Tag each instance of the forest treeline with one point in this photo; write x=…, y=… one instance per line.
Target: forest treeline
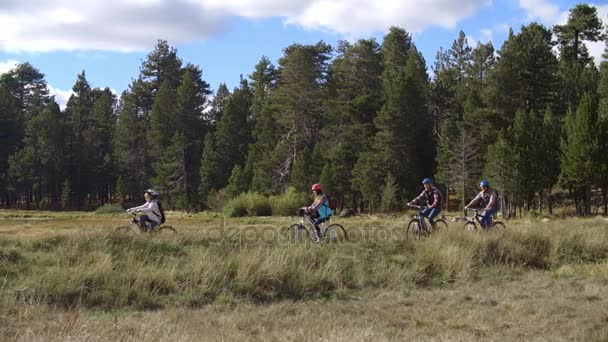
x=364, y=118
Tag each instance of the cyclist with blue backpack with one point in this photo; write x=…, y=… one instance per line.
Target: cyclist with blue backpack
x=431, y=197
x=487, y=200
x=320, y=210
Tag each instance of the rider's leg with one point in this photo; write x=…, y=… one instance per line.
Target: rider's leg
x=317, y=223
x=486, y=218
x=431, y=213
x=144, y=219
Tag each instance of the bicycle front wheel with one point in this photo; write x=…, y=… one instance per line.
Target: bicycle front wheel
x=335, y=233
x=470, y=226
x=126, y=229
x=296, y=233
x=168, y=230
x=440, y=224
x=498, y=225
x=415, y=231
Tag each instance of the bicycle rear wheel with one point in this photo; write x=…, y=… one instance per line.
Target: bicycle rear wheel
x=415, y=231
x=335, y=233
x=296, y=233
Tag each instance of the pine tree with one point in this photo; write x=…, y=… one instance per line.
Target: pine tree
x=355, y=96
x=191, y=99
x=579, y=142
x=38, y=166
x=10, y=126
x=163, y=120
x=404, y=139
x=583, y=25
x=171, y=172
x=259, y=165
x=499, y=171
x=79, y=122
x=602, y=156
x=28, y=87
x=98, y=138
x=525, y=76
x=233, y=133
x=209, y=170
x=528, y=150
x=214, y=114
x=576, y=66
x=236, y=183
x=458, y=159
x=329, y=179
x=302, y=175
x=389, y=194
x=162, y=64
x=550, y=136
x=130, y=147
x=298, y=100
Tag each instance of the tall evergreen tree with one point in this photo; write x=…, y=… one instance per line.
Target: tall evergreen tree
x=579, y=143
x=583, y=25
x=38, y=166
x=233, y=133
x=130, y=148
x=163, y=119
x=525, y=76
x=298, y=100
x=264, y=129
x=162, y=64
x=354, y=98
x=98, y=137
x=79, y=122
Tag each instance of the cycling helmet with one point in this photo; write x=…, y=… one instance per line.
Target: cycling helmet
x=427, y=181
x=151, y=192
x=484, y=183
x=317, y=187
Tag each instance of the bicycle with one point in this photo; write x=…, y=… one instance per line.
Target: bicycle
x=136, y=226
x=473, y=221
x=299, y=232
x=418, y=227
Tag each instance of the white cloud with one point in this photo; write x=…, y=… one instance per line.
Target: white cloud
x=544, y=10
x=486, y=33
x=61, y=96
x=126, y=25
x=8, y=66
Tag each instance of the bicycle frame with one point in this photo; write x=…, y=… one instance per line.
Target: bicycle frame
x=419, y=216
x=306, y=222
x=139, y=224
x=476, y=217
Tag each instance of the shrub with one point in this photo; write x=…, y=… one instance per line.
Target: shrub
x=288, y=202
x=248, y=204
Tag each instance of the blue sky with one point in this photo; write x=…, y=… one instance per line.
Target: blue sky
x=109, y=39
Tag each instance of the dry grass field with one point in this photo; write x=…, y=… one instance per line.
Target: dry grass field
x=70, y=277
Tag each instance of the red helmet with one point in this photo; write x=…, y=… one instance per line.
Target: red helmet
x=317, y=187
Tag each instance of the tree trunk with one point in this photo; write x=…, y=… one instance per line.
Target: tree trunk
x=605, y=198
x=587, y=200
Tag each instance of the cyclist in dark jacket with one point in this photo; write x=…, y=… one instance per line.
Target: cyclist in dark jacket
x=431, y=197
